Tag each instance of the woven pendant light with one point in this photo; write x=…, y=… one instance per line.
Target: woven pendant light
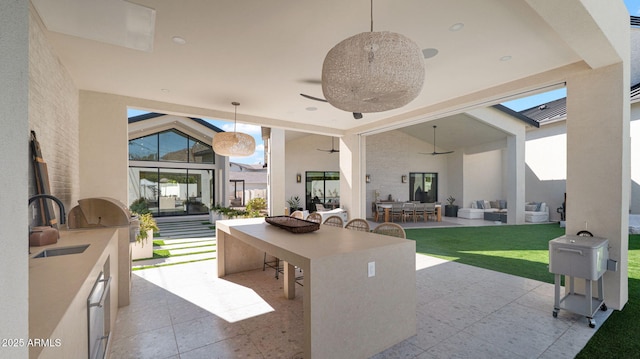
x=373, y=72
x=236, y=144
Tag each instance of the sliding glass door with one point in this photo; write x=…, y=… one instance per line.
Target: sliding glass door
x=423, y=187
x=322, y=187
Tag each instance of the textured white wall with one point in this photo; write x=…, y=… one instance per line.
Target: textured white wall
x=393, y=154
x=14, y=145
x=53, y=115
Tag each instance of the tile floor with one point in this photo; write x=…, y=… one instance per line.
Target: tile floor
x=185, y=312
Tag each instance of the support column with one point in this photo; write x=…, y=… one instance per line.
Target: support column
x=276, y=171
x=515, y=178
x=14, y=144
x=598, y=166
x=352, y=172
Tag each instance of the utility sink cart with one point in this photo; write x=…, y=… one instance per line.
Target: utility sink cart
x=579, y=257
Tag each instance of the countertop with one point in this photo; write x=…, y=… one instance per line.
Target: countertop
x=54, y=282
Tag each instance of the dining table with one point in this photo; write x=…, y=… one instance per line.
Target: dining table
x=359, y=289
x=388, y=205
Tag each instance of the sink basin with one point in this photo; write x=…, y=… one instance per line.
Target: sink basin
x=62, y=251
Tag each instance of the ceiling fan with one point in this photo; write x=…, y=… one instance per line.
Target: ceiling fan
x=332, y=150
x=434, y=146
x=356, y=115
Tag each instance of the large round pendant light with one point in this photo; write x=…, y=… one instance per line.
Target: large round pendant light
x=236, y=144
x=373, y=72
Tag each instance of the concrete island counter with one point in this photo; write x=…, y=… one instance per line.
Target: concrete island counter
x=60, y=285
x=359, y=287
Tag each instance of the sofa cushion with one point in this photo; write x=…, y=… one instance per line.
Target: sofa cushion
x=530, y=207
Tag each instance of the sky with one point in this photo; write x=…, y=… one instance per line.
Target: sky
x=633, y=6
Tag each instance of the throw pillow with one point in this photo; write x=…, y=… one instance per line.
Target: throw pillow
x=495, y=204
x=530, y=207
x=480, y=204
x=538, y=204
x=487, y=204
x=503, y=204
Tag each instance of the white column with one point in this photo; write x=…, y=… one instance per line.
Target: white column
x=14, y=144
x=276, y=171
x=352, y=172
x=598, y=166
x=515, y=174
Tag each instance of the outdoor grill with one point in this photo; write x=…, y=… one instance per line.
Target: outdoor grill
x=579, y=257
x=99, y=212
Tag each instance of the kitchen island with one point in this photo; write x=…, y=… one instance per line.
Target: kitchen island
x=359, y=288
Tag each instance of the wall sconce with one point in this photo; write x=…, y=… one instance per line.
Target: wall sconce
x=367, y=178
x=404, y=178
x=298, y=178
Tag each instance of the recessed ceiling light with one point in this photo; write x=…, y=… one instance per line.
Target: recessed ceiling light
x=311, y=108
x=456, y=27
x=505, y=58
x=429, y=53
x=165, y=90
x=179, y=40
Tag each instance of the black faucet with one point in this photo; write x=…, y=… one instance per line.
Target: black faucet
x=55, y=199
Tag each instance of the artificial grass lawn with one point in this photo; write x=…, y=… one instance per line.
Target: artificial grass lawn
x=523, y=250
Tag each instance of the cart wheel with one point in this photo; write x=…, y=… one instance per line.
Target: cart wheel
x=592, y=323
x=603, y=307
x=555, y=313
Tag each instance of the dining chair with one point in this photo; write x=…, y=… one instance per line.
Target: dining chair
x=298, y=214
x=379, y=216
x=334, y=221
x=396, y=211
x=408, y=211
x=358, y=224
x=315, y=217
x=390, y=229
x=430, y=210
x=419, y=211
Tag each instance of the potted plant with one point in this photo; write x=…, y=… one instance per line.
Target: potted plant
x=451, y=210
x=143, y=247
x=294, y=204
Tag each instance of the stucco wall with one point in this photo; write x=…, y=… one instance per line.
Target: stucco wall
x=53, y=115
x=483, y=177
x=301, y=156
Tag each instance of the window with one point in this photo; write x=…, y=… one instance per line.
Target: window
x=423, y=187
x=322, y=187
x=144, y=148
x=170, y=146
x=171, y=191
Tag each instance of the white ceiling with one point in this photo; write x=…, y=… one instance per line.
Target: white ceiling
x=265, y=53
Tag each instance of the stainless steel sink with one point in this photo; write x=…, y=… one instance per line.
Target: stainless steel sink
x=62, y=251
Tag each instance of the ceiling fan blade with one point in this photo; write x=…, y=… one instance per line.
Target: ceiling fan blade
x=313, y=98
x=442, y=153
